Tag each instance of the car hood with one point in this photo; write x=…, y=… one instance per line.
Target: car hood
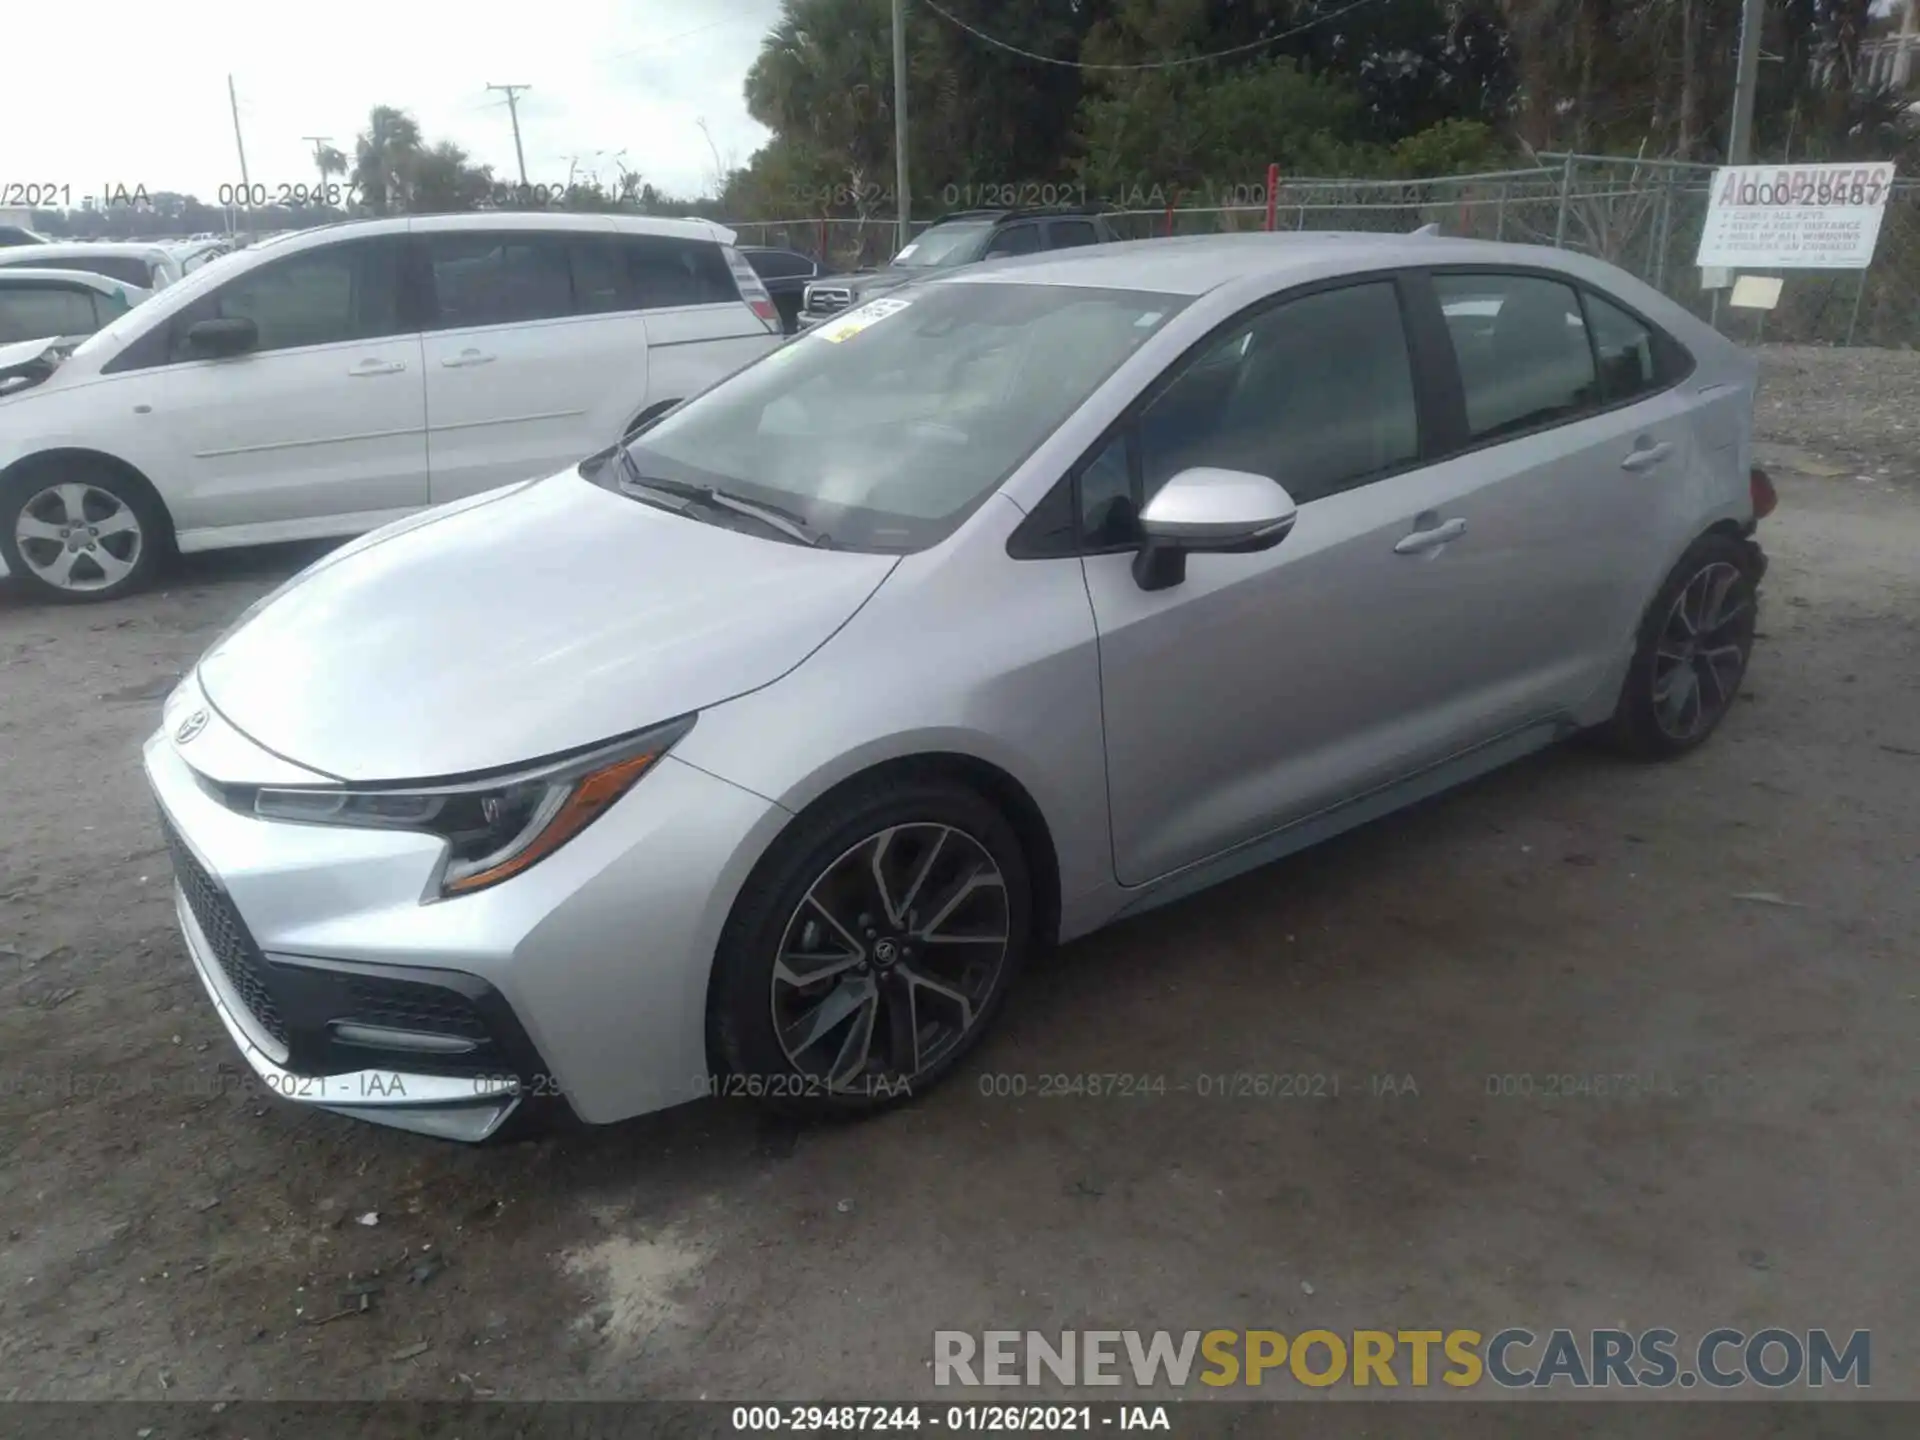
x=518, y=625
x=29, y=362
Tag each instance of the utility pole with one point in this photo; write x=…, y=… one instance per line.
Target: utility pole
x=900, y=122
x=513, y=109
x=1746, y=78
x=246, y=185
x=233, y=104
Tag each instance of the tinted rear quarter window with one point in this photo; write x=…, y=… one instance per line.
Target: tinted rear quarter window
x=665, y=271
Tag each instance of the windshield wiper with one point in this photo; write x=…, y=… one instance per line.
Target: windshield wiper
x=773, y=517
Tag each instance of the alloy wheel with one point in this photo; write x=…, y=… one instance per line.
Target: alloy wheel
x=890, y=958
x=76, y=536
x=1701, y=654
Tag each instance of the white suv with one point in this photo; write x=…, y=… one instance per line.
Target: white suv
x=333, y=380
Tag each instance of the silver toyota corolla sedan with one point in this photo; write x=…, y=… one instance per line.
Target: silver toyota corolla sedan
x=753, y=757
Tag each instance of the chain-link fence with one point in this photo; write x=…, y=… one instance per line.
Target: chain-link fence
x=1645, y=216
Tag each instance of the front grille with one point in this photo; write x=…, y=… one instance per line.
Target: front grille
x=404, y=1005
x=827, y=301
x=233, y=948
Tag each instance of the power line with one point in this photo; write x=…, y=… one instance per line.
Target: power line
x=683, y=35
x=1000, y=44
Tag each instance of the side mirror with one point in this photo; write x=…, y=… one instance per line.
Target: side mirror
x=218, y=338
x=1204, y=509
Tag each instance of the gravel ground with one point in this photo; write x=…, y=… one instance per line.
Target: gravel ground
x=171, y=1233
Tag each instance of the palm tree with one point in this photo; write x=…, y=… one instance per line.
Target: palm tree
x=385, y=158
x=329, y=162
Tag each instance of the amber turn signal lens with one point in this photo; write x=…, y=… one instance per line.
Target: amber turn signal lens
x=591, y=795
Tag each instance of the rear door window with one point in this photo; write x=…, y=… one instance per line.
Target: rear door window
x=1521, y=342
x=506, y=278
x=1066, y=234
x=1014, y=240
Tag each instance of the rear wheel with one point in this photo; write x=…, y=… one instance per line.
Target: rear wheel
x=1692, y=651
x=80, y=531
x=871, y=948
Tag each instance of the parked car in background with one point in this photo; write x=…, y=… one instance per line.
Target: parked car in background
x=962, y=238
x=38, y=304
x=150, y=266
x=334, y=380
x=192, y=254
x=19, y=235
x=754, y=756
x=785, y=273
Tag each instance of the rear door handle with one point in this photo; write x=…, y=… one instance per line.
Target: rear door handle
x=1645, y=457
x=378, y=367
x=466, y=358
x=1421, y=541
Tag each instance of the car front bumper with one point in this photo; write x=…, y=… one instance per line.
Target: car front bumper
x=579, y=983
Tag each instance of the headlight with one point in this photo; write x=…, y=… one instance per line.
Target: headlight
x=495, y=827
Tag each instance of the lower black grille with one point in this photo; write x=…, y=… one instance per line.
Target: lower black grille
x=233, y=948
x=403, y=1005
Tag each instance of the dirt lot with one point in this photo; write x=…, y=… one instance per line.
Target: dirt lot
x=167, y=1233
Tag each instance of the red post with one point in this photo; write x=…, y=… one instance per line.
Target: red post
x=1273, y=192
x=1172, y=200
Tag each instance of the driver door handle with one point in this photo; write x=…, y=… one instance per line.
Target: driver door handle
x=1421, y=541
x=1645, y=457
x=378, y=367
x=465, y=358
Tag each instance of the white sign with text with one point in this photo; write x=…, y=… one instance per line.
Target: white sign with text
x=1795, y=217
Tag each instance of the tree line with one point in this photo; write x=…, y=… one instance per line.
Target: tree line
x=1174, y=101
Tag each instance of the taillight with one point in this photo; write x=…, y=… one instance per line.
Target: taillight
x=751, y=290
x=1765, y=498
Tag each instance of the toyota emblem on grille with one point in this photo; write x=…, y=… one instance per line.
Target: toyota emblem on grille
x=190, y=727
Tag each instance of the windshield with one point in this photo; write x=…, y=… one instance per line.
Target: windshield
x=886, y=426
x=956, y=243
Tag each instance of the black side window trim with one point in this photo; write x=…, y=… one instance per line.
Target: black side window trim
x=1039, y=538
x=1672, y=361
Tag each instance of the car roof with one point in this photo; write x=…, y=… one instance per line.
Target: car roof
x=1022, y=212
x=57, y=248
x=15, y=274
x=588, y=222
x=1195, y=264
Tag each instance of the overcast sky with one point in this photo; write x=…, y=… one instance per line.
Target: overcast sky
x=138, y=95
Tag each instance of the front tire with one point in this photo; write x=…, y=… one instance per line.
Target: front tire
x=79, y=531
x=1691, y=652
x=871, y=948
